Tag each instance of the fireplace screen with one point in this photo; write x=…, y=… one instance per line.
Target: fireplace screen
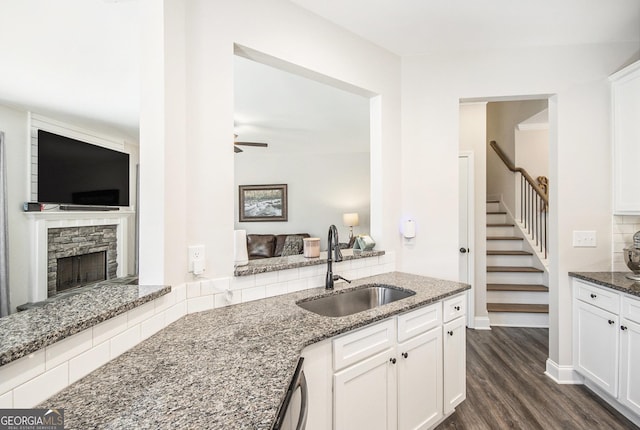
x=81, y=270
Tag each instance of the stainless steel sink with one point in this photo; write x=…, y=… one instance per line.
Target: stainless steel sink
x=353, y=301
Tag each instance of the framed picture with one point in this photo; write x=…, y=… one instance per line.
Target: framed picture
x=263, y=202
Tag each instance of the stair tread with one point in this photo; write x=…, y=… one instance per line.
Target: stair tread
x=518, y=269
x=496, y=213
x=517, y=287
x=518, y=307
x=493, y=201
x=503, y=238
x=498, y=252
x=501, y=225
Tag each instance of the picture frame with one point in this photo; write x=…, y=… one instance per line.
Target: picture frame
x=260, y=203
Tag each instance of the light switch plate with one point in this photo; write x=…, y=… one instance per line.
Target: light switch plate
x=584, y=239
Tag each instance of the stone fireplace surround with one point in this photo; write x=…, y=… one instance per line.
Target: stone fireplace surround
x=76, y=241
x=42, y=222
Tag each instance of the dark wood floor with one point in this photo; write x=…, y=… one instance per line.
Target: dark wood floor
x=507, y=388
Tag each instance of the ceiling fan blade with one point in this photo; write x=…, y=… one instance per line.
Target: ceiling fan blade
x=262, y=145
x=236, y=149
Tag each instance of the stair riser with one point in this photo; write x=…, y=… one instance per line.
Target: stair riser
x=516, y=319
x=493, y=207
x=504, y=245
x=496, y=219
x=527, y=297
x=500, y=231
x=509, y=260
x=514, y=278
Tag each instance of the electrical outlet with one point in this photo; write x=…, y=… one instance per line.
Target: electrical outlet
x=584, y=239
x=196, y=259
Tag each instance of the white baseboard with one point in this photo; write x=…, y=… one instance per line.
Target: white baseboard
x=562, y=374
x=482, y=323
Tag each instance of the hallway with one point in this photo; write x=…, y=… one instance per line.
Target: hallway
x=507, y=388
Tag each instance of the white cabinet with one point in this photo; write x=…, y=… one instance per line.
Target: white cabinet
x=365, y=394
x=596, y=354
x=630, y=354
x=455, y=364
x=606, y=344
x=625, y=90
x=393, y=374
x=420, y=381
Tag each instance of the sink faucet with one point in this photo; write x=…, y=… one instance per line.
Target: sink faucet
x=333, y=243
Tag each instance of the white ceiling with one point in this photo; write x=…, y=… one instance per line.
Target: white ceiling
x=296, y=114
x=79, y=58
x=411, y=27
x=72, y=59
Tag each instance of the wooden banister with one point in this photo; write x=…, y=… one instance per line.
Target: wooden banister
x=534, y=201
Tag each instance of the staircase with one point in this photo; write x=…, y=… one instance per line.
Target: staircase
x=517, y=283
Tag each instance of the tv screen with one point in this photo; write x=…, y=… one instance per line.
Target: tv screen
x=75, y=172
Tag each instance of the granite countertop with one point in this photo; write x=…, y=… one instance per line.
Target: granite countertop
x=227, y=368
x=614, y=280
x=25, y=332
x=263, y=265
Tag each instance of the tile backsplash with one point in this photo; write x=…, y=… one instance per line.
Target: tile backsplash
x=623, y=229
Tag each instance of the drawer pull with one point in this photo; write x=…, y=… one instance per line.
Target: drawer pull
x=456, y=308
x=392, y=360
x=623, y=327
x=405, y=355
x=450, y=333
x=611, y=321
x=593, y=296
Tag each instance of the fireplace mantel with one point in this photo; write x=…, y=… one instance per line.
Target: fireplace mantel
x=40, y=222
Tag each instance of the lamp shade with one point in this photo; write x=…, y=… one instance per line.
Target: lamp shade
x=350, y=219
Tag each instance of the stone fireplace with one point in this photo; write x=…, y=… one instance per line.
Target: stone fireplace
x=78, y=256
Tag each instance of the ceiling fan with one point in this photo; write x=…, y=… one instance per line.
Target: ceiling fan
x=236, y=144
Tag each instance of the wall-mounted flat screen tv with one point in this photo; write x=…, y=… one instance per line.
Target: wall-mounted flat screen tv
x=79, y=173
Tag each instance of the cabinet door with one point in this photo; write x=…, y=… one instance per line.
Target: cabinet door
x=629, y=369
x=455, y=364
x=597, y=343
x=365, y=394
x=420, y=381
x=626, y=135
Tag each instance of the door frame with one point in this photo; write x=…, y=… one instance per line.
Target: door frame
x=471, y=310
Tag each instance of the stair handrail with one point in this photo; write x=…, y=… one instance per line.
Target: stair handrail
x=520, y=170
x=533, y=209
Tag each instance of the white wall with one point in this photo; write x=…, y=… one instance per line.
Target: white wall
x=320, y=187
x=532, y=151
x=502, y=119
x=201, y=209
x=473, y=137
x=579, y=148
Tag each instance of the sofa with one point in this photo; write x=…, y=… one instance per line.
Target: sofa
x=274, y=245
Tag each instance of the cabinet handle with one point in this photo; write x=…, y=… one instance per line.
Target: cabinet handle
x=392, y=360
x=405, y=355
x=611, y=321
x=456, y=308
x=623, y=327
x=593, y=296
x=450, y=333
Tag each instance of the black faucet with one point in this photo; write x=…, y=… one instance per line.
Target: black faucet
x=333, y=243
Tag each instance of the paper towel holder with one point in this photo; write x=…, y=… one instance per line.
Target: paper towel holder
x=409, y=230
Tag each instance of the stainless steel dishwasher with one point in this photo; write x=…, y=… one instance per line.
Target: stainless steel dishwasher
x=295, y=403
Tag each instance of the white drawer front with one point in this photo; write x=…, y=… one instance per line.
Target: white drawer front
x=608, y=300
x=363, y=343
x=419, y=321
x=631, y=309
x=454, y=307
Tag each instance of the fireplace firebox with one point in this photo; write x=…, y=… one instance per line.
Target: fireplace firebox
x=81, y=270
